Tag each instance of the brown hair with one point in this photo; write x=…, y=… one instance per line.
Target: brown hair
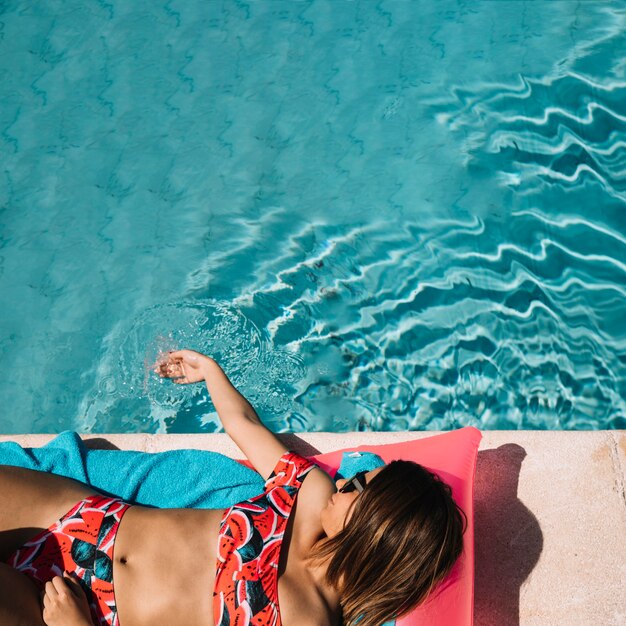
x=403, y=537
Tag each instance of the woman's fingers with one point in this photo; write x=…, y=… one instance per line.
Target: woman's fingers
x=169, y=369
x=177, y=374
x=73, y=584
x=188, y=357
x=182, y=366
x=59, y=584
x=50, y=590
x=174, y=370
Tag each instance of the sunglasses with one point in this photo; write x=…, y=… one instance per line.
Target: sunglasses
x=357, y=482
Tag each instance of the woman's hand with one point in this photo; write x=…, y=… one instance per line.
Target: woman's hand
x=65, y=603
x=183, y=366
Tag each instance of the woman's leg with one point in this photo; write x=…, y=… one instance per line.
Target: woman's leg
x=19, y=599
x=31, y=501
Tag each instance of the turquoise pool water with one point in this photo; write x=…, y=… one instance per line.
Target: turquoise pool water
x=377, y=215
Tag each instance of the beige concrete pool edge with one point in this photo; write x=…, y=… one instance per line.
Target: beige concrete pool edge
x=550, y=517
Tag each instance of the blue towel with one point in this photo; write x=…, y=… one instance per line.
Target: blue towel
x=173, y=479
x=354, y=462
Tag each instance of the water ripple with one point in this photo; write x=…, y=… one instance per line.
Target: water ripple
x=422, y=333
x=565, y=130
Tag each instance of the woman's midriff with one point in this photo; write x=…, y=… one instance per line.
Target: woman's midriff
x=164, y=566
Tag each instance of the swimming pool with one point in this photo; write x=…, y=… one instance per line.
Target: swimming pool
x=376, y=215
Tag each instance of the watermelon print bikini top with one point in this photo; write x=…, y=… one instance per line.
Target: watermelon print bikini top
x=251, y=535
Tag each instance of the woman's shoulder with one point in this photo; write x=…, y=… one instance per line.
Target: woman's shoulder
x=313, y=497
x=316, y=490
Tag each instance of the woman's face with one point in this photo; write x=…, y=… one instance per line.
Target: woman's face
x=339, y=508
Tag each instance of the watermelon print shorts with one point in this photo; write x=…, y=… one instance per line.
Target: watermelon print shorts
x=80, y=542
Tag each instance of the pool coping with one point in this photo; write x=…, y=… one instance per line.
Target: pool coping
x=550, y=516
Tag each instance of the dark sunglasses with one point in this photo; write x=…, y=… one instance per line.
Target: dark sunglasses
x=356, y=482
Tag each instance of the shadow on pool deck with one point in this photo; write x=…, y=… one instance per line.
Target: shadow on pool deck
x=508, y=538
x=99, y=443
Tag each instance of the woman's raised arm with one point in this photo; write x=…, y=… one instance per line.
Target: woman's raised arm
x=240, y=421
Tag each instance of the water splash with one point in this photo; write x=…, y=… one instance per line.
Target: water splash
x=126, y=378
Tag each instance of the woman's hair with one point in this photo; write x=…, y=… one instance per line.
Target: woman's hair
x=403, y=537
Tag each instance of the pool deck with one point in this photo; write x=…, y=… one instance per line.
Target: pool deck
x=550, y=517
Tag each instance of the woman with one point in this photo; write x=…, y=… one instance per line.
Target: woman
x=305, y=552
